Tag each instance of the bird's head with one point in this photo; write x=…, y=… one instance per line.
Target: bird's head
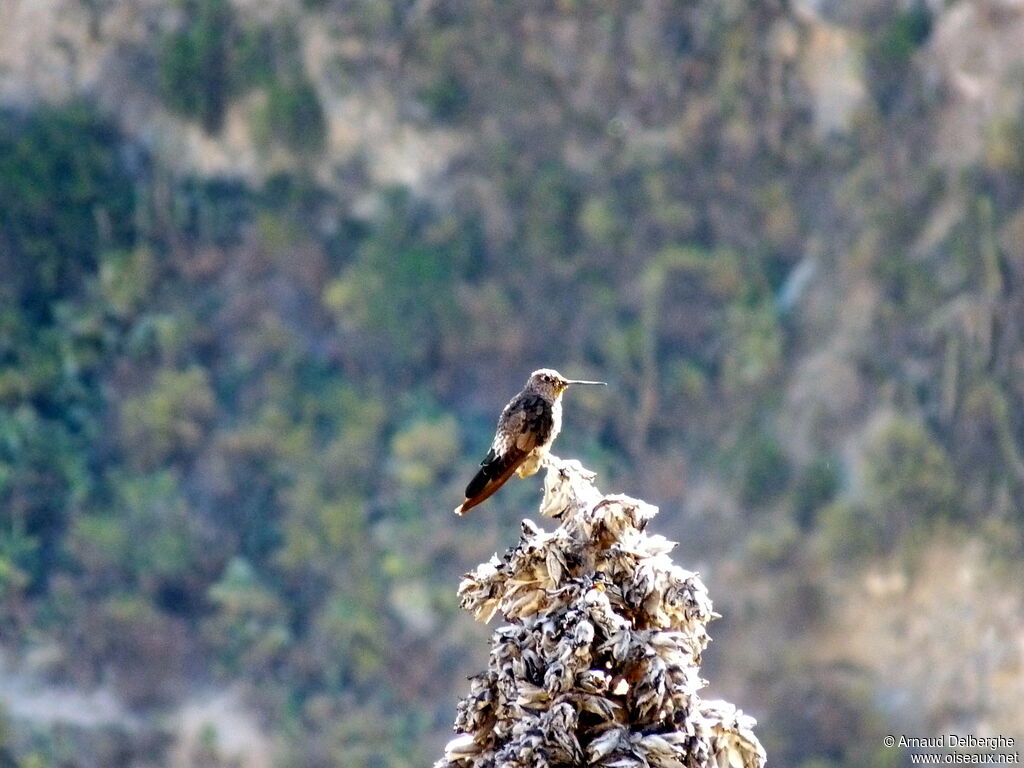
x=549, y=383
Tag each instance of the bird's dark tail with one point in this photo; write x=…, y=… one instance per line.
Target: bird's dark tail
x=494, y=471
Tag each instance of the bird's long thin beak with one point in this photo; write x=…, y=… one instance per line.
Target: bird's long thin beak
x=577, y=381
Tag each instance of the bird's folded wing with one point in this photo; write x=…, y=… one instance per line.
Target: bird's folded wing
x=524, y=424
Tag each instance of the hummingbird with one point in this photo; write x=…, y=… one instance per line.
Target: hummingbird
x=527, y=427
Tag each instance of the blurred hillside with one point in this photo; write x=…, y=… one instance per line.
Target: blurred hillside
x=270, y=271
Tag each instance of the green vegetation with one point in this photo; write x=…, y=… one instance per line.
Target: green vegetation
x=235, y=416
x=765, y=470
x=294, y=116
x=215, y=56
x=890, y=51
x=195, y=64
x=66, y=199
x=817, y=484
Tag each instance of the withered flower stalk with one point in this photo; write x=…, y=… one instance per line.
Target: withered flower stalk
x=598, y=663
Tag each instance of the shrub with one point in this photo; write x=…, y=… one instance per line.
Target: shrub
x=890, y=51
x=909, y=478
x=766, y=470
x=64, y=197
x=194, y=62
x=294, y=116
x=816, y=486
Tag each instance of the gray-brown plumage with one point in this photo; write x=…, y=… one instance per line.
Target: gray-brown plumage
x=527, y=427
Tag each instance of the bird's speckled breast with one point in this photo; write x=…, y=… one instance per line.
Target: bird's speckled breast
x=545, y=421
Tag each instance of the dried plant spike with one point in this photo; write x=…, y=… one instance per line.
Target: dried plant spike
x=599, y=661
